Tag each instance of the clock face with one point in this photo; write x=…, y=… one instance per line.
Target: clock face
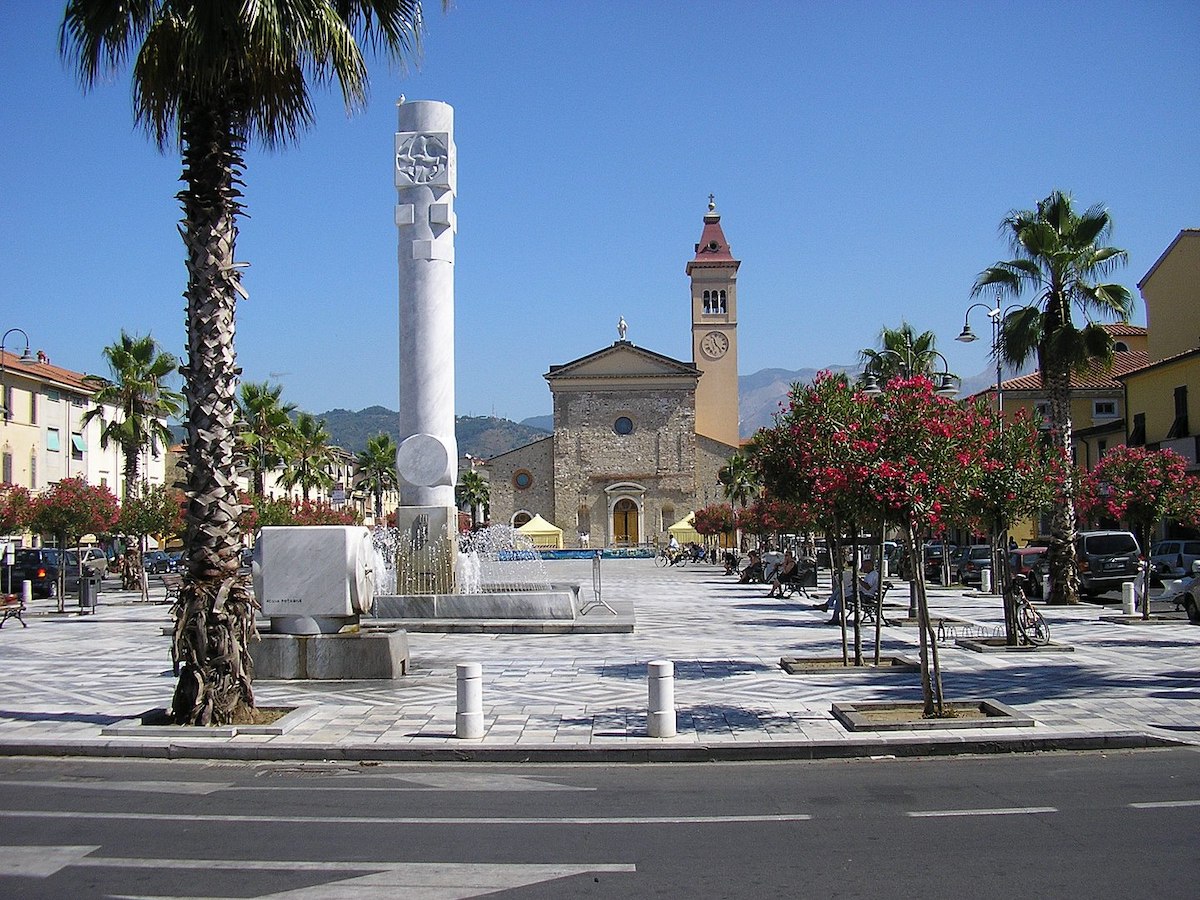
x=714, y=345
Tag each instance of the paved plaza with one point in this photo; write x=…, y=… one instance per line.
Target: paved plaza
x=68, y=678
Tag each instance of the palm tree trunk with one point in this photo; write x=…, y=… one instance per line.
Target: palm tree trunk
x=1064, y=577
x=214, y=616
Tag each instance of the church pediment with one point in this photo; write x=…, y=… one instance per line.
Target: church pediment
x=623, y=360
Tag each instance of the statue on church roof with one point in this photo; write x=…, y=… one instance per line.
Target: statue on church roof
x=622, y=327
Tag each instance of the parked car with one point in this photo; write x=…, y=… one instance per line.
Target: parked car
x=1106, y=560
x=935, y=554
x=94, y=560
x=40, y=566
x=156, y=562
x=972, y=562
x=1028, y=562
x=1173, y=559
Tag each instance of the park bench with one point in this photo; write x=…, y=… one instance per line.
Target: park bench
x=869, y=605
x=172, y=583
x=11, y=607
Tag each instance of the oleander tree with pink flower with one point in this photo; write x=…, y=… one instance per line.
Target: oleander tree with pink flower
x=1018, y=475
x=1141, y=488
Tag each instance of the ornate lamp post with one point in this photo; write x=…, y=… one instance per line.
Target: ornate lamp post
x=946, y=382
x=967, y=336
x=26, y=357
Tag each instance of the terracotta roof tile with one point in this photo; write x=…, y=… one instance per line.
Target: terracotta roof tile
x=1096, y=377
x=48, y=372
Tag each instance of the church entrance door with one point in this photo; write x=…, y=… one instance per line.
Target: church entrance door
x=625, y=523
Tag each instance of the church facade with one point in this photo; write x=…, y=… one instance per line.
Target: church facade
x=638, y=436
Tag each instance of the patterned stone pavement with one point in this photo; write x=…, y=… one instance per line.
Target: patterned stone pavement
x=67, y=677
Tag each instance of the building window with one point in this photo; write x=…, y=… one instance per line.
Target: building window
x=1120, y=347
x=1104, y=409
x=522, y=479
x=33, y=470
x=1042, y=411
x=77, y=445
x=721, y=304
x=6, y=468
x=708, y=303
x=6, y=400
x=52, y=442
x=1179, y=428
x=53, y=396
x=623, y=425
x=1101, y=449
x=1137, y=437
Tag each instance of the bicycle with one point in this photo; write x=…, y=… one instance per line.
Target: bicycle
x=1031, y=624
x=665, y=557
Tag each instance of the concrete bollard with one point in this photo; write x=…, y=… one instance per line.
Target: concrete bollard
x=1127, y=599
x=468, y=723
x=660, y=721
x=985, y=581
x=1045, y=587
x=26, y=591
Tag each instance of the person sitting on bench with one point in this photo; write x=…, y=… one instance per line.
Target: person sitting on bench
x=868, y=589
x=786, y=571
x=753, y=573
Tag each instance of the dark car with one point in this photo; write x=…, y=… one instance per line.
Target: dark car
x=156, y=562
x=1106, y=560
x=1028, y=563
x=972, y=563
x=40, y=565
x=937, y=555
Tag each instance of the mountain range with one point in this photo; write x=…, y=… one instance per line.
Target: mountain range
x=760, y=396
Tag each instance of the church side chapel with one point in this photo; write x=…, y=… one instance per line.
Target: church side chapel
x=638, y=436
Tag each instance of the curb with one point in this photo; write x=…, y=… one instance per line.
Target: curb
x=636, y=753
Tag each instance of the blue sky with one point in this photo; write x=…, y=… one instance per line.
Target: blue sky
x=862, y=155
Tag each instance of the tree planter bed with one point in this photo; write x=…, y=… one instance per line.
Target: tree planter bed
x=907, y=716
x=821, y=665
x=999, y=645
x=271, y=721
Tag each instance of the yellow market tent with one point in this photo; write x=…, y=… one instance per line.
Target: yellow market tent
x=543, y=533
x=685, y=530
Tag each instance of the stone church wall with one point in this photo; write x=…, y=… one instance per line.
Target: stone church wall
x=654, y=464
x=507, y=474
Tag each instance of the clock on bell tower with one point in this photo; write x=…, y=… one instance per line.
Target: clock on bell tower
x=713, y=272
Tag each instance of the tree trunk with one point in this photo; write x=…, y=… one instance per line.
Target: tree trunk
x=214, y=616
x=1064, y=576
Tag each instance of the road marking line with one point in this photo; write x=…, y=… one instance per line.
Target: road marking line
x=1004, y=811
x=1165, y=804
x=146, y=787
x=402, y=820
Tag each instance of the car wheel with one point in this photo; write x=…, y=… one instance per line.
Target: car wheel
x=1193, y=610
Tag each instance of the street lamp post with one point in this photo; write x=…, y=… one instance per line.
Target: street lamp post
x=967, y=336
x=1000, y=550
x=26, y=357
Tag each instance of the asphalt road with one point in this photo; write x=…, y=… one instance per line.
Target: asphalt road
x=1043, y=825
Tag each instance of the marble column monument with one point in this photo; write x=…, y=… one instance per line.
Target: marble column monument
x=427, y=459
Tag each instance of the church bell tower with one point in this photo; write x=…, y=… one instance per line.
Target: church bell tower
x=713, y=272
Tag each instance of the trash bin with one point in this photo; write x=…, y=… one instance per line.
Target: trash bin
x=89, y=591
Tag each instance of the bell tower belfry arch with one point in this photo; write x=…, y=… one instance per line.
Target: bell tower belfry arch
x=713, y=273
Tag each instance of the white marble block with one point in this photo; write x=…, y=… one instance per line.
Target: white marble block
x=313, y=579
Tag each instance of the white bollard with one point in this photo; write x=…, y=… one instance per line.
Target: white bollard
x=1127, y=598
x=985, y=581
x=26, y=591
x=468, y=723
x=1045, y=587
x=660, y=721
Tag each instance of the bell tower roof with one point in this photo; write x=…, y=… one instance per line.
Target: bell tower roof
x=713, y=249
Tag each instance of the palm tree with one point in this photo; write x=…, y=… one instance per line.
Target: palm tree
x=309, y=456
x=142, y=401
x=265, y=430
x=1058, y=256
x=216, y=75
x=377, y=469
x=141, y=397
x=901, y=352
x=473, y=492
